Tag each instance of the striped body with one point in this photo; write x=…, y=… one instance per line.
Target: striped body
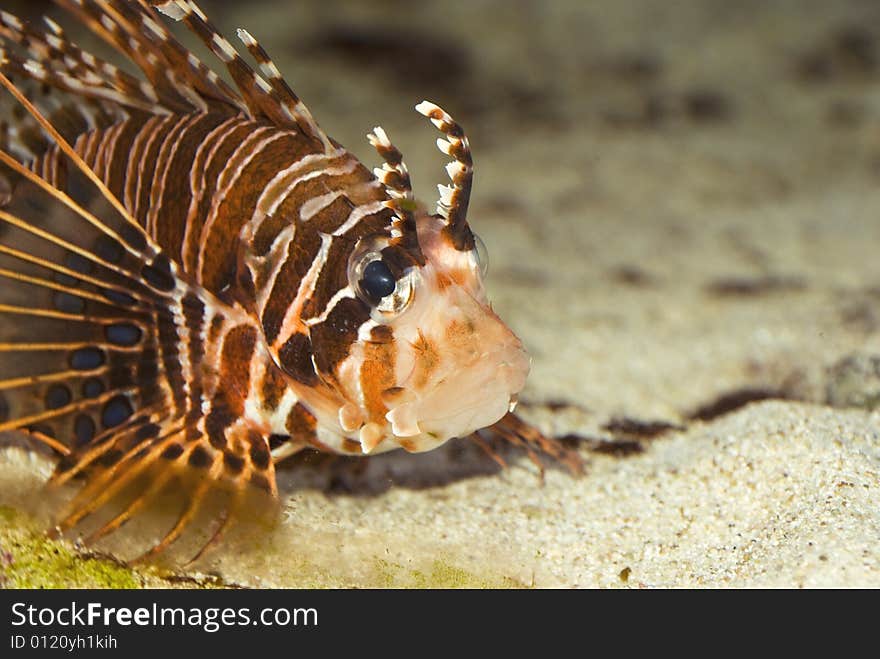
x=229, y=285
x=242, y=206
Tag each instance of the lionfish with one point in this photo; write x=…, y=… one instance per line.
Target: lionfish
x=199, y=281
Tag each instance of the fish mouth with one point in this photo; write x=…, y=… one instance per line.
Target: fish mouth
x=458, y=405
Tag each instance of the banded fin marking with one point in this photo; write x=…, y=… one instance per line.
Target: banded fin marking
x=273, y=99
x=98, y=374
x=176, y=80
x=516, y=432
x=291, y=103
x=55, y=61
x=119, y=24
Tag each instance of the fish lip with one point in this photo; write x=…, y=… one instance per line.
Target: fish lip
x=400, y=426
x=415, y=418
x=453, y=402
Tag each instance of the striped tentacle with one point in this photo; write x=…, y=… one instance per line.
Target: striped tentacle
x=454, y=199
x=394, y=175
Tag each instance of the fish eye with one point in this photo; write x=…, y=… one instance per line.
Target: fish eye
x=374, y=282
x=481, y=255
x=377, y=281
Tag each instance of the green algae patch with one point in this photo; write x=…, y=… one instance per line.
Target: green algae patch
x=383, y=573
x=440, y=573
x=446, y=575
x=29, y=559
x=306, y=574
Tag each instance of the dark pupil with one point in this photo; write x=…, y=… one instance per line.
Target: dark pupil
x=377, y=281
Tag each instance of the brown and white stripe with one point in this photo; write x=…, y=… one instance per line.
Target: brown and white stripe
x=199, y=319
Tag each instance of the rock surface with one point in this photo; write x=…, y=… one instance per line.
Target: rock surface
x=681, y=206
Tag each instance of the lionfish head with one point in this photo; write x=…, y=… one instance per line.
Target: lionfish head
x=434, y=361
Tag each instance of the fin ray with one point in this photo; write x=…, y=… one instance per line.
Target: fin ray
x=96, y=324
